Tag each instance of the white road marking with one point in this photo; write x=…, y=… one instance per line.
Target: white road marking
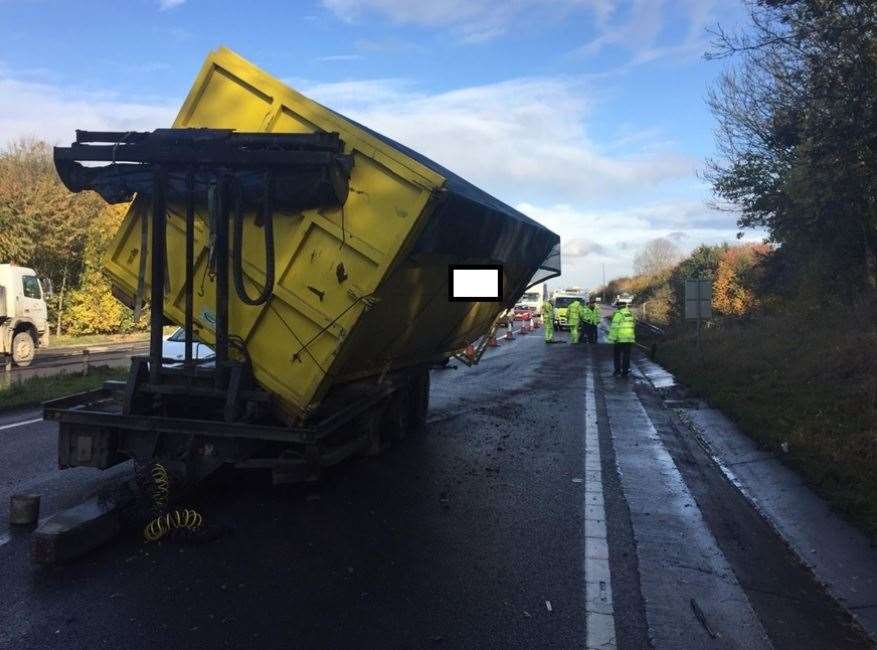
x=679, y=558
x=599, y=613
x=20, y=424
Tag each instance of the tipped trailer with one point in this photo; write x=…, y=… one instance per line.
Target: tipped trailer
x=310, y=253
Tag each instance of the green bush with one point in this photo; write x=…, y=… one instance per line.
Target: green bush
x=805, y=377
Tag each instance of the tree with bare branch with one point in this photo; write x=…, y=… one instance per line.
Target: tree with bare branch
x=658, y=256
x=797, y=134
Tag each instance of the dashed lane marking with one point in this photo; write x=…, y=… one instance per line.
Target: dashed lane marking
x=599, y=612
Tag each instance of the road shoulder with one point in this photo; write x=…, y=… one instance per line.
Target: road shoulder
x=783, y=542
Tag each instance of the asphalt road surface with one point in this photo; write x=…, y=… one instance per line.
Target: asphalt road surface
x=546, y=505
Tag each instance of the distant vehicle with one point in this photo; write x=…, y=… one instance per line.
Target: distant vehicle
x=174, y=347
x=598, y=298
x=523, y=312
x=624, y=299
x=23, y=314
x=562, y=300
x=533, y=298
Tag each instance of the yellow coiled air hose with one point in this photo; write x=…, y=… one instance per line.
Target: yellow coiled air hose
x=162, y=525
x=165, y=522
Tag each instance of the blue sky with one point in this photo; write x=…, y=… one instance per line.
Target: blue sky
x=588, y=115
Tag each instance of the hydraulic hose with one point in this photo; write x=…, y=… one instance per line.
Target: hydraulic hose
x=237, y=245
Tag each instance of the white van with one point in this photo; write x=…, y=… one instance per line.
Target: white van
x=532, y=298
x=23, y=314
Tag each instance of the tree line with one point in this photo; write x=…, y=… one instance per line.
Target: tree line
x=797, y=140
x=63, y=236
x=796, y=137
x=737, y=272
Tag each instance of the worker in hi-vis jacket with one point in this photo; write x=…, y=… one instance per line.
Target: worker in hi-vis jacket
x=591, y=318
x=573, y=318
x=622, y=333
x=548, y=321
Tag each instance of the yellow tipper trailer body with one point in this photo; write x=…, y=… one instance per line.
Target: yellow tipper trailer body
x=360, y=289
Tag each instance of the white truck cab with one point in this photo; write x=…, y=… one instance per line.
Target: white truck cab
x=532, y=298
x=23, y=314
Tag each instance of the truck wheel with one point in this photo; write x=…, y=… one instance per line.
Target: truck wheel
x=22, y=349
x=418, y=401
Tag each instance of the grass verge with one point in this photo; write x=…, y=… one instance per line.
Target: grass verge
x=810, y=383
x=35, y=390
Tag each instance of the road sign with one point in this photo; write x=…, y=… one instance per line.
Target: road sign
x=698, y=299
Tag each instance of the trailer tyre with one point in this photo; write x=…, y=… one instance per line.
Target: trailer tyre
x=418, y=402
x=22, y=349
x=396, y=420
x=369, y=425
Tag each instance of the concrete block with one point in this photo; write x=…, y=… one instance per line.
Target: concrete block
x=76, y=531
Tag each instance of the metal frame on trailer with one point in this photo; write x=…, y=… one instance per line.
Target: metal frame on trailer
x=152, y=414
x=94, y=433
x=212, y=164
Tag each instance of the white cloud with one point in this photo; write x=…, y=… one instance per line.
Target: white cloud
x=471, y=20
x=641, y=28
x=50, y=113
x=165, y=5
x=647, y=29
x=524, y=138
x=594, y=238
x=580, y=247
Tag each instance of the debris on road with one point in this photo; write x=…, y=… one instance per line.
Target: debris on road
x=80, y=529
x=24, y=509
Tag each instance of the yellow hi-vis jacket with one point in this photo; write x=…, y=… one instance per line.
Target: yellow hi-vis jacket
x=547, y=311
x=573, y=313
x=622, y=329
x=591, y=316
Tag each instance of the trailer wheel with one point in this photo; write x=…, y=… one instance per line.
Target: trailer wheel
x=418, y=401
x=396, y=421
x=369, y=426
x=22, y=349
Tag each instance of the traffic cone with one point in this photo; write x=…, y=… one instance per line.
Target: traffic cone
x=509, y=335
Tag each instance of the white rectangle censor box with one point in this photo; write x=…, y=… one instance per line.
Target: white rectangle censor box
x=475, y=283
